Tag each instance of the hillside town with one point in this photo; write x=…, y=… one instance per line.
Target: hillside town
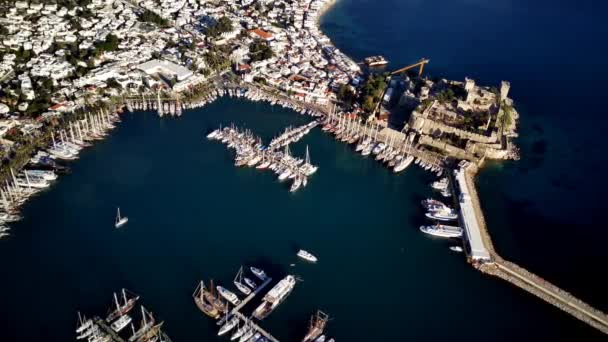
x=67, y=67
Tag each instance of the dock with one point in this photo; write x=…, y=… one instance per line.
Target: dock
x=256, y=327
x=106, y=329
x=244, y=302
x=386, y=135
x=482, y=255
x=236, y=311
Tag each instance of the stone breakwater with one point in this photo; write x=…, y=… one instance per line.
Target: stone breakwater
x=525, y=279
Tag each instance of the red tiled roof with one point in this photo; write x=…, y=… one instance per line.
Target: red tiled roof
x=57, y=106
x=263, y=34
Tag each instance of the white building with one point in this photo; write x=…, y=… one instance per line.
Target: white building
x=166, y=69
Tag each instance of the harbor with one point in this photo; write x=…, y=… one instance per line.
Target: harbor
x=114, y=327
x=211, y=224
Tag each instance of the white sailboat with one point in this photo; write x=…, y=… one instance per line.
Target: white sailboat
x=120, y=221
x=238, y=282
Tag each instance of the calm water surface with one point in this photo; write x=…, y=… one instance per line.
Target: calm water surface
x=193, y=215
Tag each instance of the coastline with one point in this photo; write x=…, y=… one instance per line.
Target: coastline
x=322, y=11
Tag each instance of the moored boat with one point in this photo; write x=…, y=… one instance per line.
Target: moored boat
x=307, y=256
x=275, y=296
x=442, y=231
x=228, y=295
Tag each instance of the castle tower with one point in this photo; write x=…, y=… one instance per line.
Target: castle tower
x=504, y=90
x=469, y=87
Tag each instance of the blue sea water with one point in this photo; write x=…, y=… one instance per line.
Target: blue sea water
x=544, y=211
x=193, y=215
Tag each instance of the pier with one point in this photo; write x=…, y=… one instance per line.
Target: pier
x=106, y=329
x=244, y=302
x=481, y=252
x=399, y=140
x=256, y=327
x=236, y=311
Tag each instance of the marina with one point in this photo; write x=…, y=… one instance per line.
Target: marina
x=111, y=328
x=165, y=233
x=251, y=152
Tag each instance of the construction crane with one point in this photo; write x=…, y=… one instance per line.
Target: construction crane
x=420, y=66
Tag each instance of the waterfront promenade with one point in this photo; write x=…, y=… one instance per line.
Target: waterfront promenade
x=518, y=276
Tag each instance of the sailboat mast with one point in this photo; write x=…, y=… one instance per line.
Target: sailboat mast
x=116, y=301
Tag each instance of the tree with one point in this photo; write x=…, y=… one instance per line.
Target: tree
x=113, y=83
x=369, y=104
x=259, y=50
x=151, y=17
x=346, y=94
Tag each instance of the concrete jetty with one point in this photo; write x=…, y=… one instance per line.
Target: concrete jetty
x=483, y=256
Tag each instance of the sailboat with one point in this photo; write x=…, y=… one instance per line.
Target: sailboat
x=122, y=309
x=238, y=282
x=203, y=304
x=309, y=169
x=120, y=221
x=146, y=325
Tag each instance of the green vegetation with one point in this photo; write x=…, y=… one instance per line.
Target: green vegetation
x=109, y=44
x=151, y=17
x=3, y=31
x=372, y=91
x=507, y=117
x=259, y=50
x=346, y=94
x=112, y=83
x=223, y=25
x=446, y=95
x=216, y=59
x=260, y=80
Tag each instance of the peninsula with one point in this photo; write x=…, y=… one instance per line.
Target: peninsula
x=68, y=68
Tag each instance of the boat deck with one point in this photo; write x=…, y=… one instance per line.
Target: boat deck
x=236, y=311
x=256, y=327
x=106, y=329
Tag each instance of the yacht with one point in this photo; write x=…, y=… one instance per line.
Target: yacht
x=228, y=295
x=441, y=184
x=254, y=161
x=213, y=134
x=238, y=282
x=403, y=164
x=275, y=296
x=247, y=335
x=379, y=148
x=120, y=221
x=121, y=323
x=442, y=231
x=46, y=175
x=431, y=204
x=228, y=326
x=250, y=283
x=124, y=308
x=285, y=174
x=442, y=215
x=307, y=256
x=258, y=273
x=239, y=332
x=297, y=182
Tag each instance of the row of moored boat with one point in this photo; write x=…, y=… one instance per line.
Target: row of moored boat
x=252, y=153
x=42, y=169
